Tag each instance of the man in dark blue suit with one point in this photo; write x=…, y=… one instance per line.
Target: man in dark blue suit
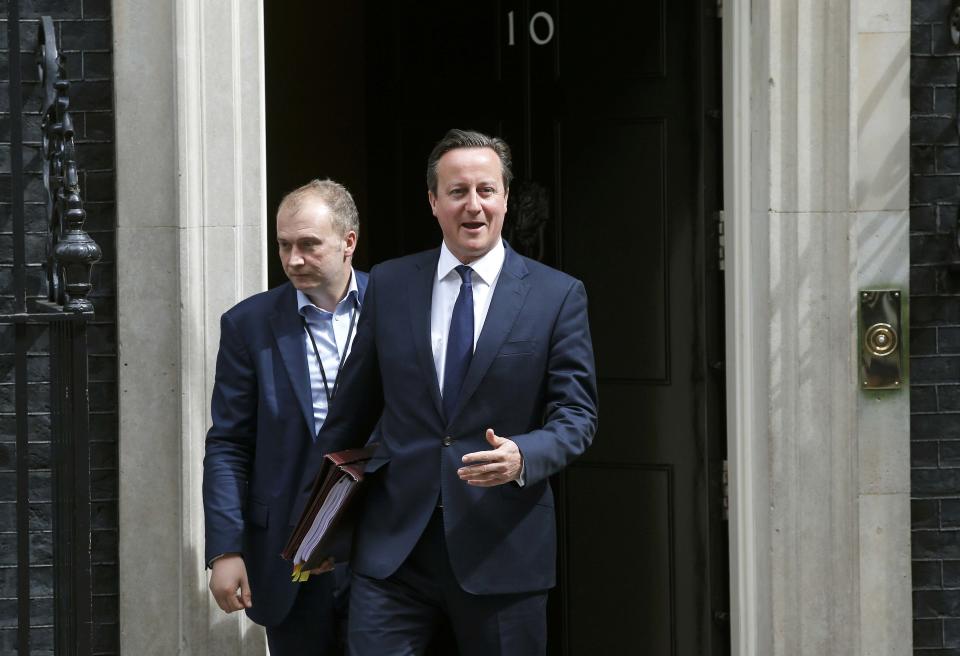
x=474, y=371
x=279, y=365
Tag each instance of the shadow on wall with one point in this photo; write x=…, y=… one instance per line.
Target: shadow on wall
x=884, y=178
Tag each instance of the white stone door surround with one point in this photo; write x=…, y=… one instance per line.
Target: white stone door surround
x=816, y=174
x=816, y=114
x=191, y=232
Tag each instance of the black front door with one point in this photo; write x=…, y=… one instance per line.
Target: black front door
x=610, y=110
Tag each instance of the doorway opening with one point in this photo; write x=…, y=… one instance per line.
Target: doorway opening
x=613, y=115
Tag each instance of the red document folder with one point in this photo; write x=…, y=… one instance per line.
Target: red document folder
x=325, y=528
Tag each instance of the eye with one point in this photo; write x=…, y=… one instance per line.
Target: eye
x=457, y=192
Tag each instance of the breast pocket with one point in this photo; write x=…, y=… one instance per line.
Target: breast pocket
x=517, y=347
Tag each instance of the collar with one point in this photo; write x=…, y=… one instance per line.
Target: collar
x=304, y=302
x=487, y=267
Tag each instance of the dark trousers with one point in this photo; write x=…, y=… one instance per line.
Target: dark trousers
x=312, y=628
x=400, y=615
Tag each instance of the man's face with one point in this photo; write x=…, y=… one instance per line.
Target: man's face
x=470, y=202
x=312, y=253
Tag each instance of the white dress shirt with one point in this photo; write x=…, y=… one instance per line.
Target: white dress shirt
x=446, y=289
x=331, y=330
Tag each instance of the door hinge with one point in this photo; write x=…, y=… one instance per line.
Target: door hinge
x=725, y=491
x=721, y=249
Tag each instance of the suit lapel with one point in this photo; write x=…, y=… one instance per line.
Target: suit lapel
x=420, y=301
x=288, y=331
x=508, y=298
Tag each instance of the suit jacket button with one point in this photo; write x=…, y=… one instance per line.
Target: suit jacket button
x=447, y=441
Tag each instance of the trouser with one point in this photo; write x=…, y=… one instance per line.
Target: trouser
x=399, y=615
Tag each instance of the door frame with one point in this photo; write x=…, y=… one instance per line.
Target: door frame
x=746, y=349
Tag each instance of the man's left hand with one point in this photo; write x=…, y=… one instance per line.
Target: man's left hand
x=325, y=566
x=500, y=465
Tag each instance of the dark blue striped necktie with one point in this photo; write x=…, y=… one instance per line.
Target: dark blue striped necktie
x=459, y=342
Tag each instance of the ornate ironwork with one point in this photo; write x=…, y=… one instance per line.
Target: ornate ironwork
x=71, y=252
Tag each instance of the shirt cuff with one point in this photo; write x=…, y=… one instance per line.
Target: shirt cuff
x=522, y=478
x=219, y=556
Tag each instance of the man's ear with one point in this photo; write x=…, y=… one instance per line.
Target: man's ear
x=433, y=202
x=349, y=243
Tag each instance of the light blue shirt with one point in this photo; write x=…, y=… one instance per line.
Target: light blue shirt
x=331, y=330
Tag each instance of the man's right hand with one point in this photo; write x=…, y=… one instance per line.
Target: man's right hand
x=229, y=584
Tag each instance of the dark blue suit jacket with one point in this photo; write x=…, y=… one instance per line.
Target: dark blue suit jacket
x=531, y=379
x=262, y=431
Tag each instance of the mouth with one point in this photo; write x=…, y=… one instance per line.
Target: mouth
x=473, y=226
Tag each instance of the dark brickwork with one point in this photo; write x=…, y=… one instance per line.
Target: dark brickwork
x=85, y=37
x=935, y=330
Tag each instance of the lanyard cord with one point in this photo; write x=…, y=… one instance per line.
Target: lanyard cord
x=316, y=352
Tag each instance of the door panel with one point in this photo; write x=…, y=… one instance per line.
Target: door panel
x=625, y=596
x=611, y=215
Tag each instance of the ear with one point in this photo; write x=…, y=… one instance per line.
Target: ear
x=433, y=202
x=506, y=195
x=349, y=244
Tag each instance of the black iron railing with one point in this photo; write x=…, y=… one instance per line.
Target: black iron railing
x=64, y=313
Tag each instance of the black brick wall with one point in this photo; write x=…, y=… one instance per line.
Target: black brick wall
x=85, y=36
x=935, y=330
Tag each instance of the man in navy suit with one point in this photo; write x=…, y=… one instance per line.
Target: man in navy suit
x=278, y=367
x=473, y=369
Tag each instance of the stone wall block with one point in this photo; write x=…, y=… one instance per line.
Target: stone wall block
x=885, y=573
x=883, y=113
x=809, y=86
x=814, y=499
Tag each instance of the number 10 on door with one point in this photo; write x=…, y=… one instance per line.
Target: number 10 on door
x=540, y=28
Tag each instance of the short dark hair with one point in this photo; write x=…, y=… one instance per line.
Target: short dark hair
x=469, y=139
x=343, y=211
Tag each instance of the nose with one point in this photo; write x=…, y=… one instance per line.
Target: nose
x=473, y=201
x=295, y=258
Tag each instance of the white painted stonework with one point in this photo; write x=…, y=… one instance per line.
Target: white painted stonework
x=816, y=194
x=190, y=239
